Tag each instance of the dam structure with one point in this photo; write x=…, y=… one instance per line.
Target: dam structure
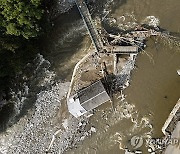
x=89, y=87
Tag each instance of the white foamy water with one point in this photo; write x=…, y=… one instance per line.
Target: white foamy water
x=151, y=21
x=76, y=29
x=40, y=77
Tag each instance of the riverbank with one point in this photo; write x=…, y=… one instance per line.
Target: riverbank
x=36, y=125
x=17, y=52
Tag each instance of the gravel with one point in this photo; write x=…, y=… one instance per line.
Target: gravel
x=33, y=132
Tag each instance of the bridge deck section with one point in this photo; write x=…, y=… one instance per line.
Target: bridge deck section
x=84, y=11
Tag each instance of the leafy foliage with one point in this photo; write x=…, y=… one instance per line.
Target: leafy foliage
x=20, y=28
x=20, y=17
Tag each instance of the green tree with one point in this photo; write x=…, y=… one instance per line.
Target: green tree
x=20, y=17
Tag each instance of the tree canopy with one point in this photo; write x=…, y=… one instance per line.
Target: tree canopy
x=20, y=26
x=20, y=17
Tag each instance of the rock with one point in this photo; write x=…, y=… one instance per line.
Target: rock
x=93, y=129
x=80, y=124
x=65, y=124
x=178, y=72
x=138, y=151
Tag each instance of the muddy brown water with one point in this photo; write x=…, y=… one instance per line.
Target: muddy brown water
x=154, y=87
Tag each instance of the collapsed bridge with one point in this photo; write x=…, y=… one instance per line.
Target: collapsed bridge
x=86, y=16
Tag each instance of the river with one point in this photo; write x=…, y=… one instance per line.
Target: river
x=154, y=86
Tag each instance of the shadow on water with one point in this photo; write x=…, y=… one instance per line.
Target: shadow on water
x=12, y=112
x=60, y=27
x=175, y=34
x=5, y=114
x=65, y=39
